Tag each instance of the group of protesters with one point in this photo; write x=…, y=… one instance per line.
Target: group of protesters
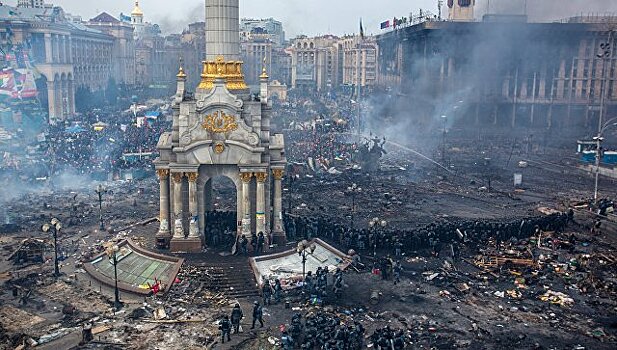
x=434, y=236
x=86, y=146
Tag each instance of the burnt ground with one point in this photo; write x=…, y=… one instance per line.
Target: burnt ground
x=422, y=193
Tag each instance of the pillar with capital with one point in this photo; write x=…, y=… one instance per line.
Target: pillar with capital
x=193, y=226
x=164, y=232
x=246, y=202
x=260, y=203
x=51, y=101
x=278, y=231
x=178, y=226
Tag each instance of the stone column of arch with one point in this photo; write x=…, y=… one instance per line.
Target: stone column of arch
x=178, y=226
x=278, y=200
x=193, y=228
x=260, y=203
x=164, y=202
x=246, y=202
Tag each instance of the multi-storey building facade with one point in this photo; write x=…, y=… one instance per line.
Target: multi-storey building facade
x=256, y=53
x=330, y=61
x=505, y=71
x=123, y=51
x=67, y=54
x=359, y=56
x=269, y=26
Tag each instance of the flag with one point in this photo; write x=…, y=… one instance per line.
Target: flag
x=124, y=18
x=361, y=29
x=385, y=24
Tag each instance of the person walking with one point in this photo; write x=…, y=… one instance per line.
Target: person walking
x=236, y=316
x=225, y=328
x=257, y=314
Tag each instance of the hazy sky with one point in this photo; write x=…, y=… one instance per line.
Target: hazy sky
x=314, y=17
x=298, y=16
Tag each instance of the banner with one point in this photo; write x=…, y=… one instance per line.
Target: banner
x=385, y=24
x=7, y=82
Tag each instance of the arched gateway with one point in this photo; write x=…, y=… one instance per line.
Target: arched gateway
x=222, y=130
x=218, y=134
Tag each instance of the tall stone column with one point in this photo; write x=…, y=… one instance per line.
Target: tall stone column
x=164, y=203
x=178, y=226
x=278, y=203
x=260, y=206
x=49, y=57
x=52, y=108
x=62, y=50
x=71, y=88
x=193, y=226
x=246, y=203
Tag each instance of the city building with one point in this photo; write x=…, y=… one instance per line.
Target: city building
x=359, y=60
x=256, y=53
x=59, y=53
x=461, y=10
x=331, y=62
x=505, y=71
x=123, y=51
x=137, y=21
x=156, y=57
x=39, y=4
x=270, y=27
x=314, y=62
x=194, y=51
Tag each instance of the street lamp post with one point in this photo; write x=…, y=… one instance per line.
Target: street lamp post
x=112, y=253
x=605, y=55
x=100, y=190
x=54, y=226
x=304, y=249
x=599, y=138
x=353, y=190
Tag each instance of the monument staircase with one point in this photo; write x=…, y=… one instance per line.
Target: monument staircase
x=229, y=276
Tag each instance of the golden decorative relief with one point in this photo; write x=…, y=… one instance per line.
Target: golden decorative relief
x=219, y=122
x=162, y=173
x=261, y=177
x=278, y=174
x=246, y=177
x=230, y=71
x=192, y=176
x=219, y=148
x=177, y=177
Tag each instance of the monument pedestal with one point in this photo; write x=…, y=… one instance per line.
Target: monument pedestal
x=279, y=238
x=185, y=245
x=162, y=239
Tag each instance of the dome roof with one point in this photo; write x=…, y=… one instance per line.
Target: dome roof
x=137, y=11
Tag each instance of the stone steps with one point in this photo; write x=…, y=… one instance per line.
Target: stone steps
x=232, y=276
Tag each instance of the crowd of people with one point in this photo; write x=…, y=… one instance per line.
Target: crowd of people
x=86, y=146
x=434, y=236
x=221, y=227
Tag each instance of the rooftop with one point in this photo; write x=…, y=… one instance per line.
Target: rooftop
x=136, y=268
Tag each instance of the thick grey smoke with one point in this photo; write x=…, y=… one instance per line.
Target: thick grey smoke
x=174, y=24
x=413, y=116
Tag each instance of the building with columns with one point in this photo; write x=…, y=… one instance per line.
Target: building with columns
x=123, y=54
x=219, y=131
x=329, y=61
x=68, y=54
x=505, y=71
